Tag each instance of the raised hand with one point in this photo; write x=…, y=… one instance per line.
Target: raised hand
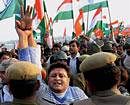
x=25, y=23
x=24, y=26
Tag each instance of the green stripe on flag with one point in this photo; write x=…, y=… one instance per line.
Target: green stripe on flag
x=8, y=11
x=64, y=15
x=94, y=6
x=42, y=28
x=12, y=8
x=17, y=5
x=89, y=32
x=100, y=25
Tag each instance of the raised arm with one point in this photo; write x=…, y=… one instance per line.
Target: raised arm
x=24, y=30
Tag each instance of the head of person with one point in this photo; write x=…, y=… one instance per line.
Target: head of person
x=5, y=55
x=58, y=56
x=107, y=47
x=14, y=53
x=83, y=49
x=114, y=47
x=73, y=47
x=22, y=79
x=58, y=77
x=3, y=66
x=120, y=50
x=56, y=47
x=93, y=48
x=3, y=49
x=65, y=48
x=100, y=71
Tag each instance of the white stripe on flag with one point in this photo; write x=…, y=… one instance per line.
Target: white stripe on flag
x=66, y=7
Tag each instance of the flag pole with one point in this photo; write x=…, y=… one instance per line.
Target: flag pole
x=73, y=33
x=83, y=25
x=48, y=20
x=87, y=18
x=111, y=28
x=102, y=22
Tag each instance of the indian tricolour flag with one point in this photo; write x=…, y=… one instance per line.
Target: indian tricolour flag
x=39, y=22
x=97, y=16
x=9, y=7
x=65, y=11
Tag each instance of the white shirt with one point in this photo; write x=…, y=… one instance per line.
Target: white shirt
x=72, y=65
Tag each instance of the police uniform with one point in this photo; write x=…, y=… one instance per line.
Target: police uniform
x=106, y=97
x=22, y=70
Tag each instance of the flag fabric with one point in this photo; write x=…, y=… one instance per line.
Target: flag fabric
x=78, y=24
x=114, y=22
x=48, y=40
x=118, y=29
x=94, y=6
x=98, y=33
x=96, y=17
x=42, y=27
x=98, y=11
x=100, y=29
x=45, y=27
x=49, y=23
x=65, y=11
x=103, y=29
x=39, y=9
x=10, y=7
x=65, y=1
x=104, y=17
x=126, y=31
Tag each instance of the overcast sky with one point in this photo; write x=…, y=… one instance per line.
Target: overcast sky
x=119, y=9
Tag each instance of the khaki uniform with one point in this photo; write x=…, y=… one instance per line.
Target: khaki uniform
x=22, y=70
x=20, y=102
x=106, y=98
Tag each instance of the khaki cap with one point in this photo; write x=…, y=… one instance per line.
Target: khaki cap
x=97, y=60
x=22, y=70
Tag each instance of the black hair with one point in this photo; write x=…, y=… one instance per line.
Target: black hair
x=57, y=45
x=60, y=65
x=22, y=89
x=5, y=53
x=74, y=41
x=103, y=78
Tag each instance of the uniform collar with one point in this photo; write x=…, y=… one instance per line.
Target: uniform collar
x=24, y=102
x=105, y=93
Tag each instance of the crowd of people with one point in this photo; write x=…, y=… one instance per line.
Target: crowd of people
x=86, y=72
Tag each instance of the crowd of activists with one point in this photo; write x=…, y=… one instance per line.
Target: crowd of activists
x=81, y=72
